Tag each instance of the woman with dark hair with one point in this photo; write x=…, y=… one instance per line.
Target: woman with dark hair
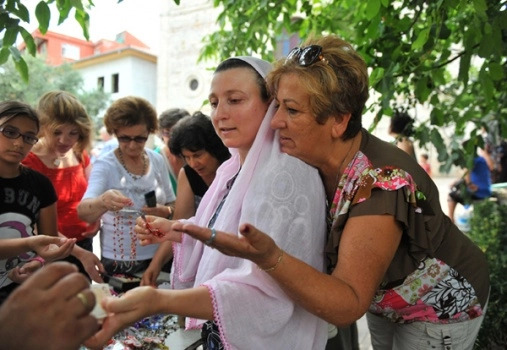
x=402, y=129
x=194, y=140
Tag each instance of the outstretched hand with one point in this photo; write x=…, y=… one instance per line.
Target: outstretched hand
x=252, y=244
x=52, y=248
x=122, y=312
x=46, y=312
x=154, y=229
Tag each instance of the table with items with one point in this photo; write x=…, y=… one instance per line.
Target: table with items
x=157, y=332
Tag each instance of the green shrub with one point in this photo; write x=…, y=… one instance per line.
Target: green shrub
x=489, y=232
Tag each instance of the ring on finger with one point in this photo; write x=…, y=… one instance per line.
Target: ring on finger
x=212, y=238
x=83, y=299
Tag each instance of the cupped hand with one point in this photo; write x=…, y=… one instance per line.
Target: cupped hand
x=52, y=248
x=252, y=244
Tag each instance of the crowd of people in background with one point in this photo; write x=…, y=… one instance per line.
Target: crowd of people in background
x=238, y=206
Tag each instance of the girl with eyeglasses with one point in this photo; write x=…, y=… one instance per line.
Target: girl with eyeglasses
x=61, y=155
x=27, y=202
x=119, y=183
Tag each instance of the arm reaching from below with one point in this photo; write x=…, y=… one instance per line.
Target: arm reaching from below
x=46, y=308
x=134, y=306
x=162, y=256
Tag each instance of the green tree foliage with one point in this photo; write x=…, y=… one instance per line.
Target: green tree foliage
x=14, y=15
x=446, y=54
x=44, y=78
x=449, y=55
x=489, y=232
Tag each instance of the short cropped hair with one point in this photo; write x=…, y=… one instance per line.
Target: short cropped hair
x=338, y=84
x=402, y=123
x=130, y=111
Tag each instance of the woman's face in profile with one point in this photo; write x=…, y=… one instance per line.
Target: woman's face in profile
x=237, y=109
x=299, y=133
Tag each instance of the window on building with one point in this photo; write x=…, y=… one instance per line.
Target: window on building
x=115, y=83
x=43, y=48
x=194, y=84
x=70, y=51
x=100, y=83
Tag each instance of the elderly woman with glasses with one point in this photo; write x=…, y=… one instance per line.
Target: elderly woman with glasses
x=392, y=252
x=123, y=183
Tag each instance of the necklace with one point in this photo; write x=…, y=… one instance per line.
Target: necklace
x=329, y=202
x=58, y=161
x=338, y=174
x=133, y=176
x=123, y=221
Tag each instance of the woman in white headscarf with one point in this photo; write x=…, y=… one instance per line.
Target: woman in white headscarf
x=234, y=301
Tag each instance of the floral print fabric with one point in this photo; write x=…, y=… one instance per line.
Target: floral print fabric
x=434, y=292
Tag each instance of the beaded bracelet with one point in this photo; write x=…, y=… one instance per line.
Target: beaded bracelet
x=39, y=259
x=272, y=268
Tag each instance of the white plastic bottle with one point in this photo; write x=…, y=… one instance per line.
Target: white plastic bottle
x=462, y=217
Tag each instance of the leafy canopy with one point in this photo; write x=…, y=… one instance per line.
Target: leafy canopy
x=449, y=55
x=14, y=15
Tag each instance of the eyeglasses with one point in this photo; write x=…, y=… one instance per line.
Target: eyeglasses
x=306, y=56
x=12, y=133
x=128, y=139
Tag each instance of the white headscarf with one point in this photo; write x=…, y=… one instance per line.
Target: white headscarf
x=283, y=197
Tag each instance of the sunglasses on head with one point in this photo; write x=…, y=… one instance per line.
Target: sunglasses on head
x=13, y=133
x=128, y=139
x=306, y=56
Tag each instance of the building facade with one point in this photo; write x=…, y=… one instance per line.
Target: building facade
x=182, y=82
x=124, y=66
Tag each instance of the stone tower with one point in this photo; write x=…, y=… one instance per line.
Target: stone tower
x=181, y=81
